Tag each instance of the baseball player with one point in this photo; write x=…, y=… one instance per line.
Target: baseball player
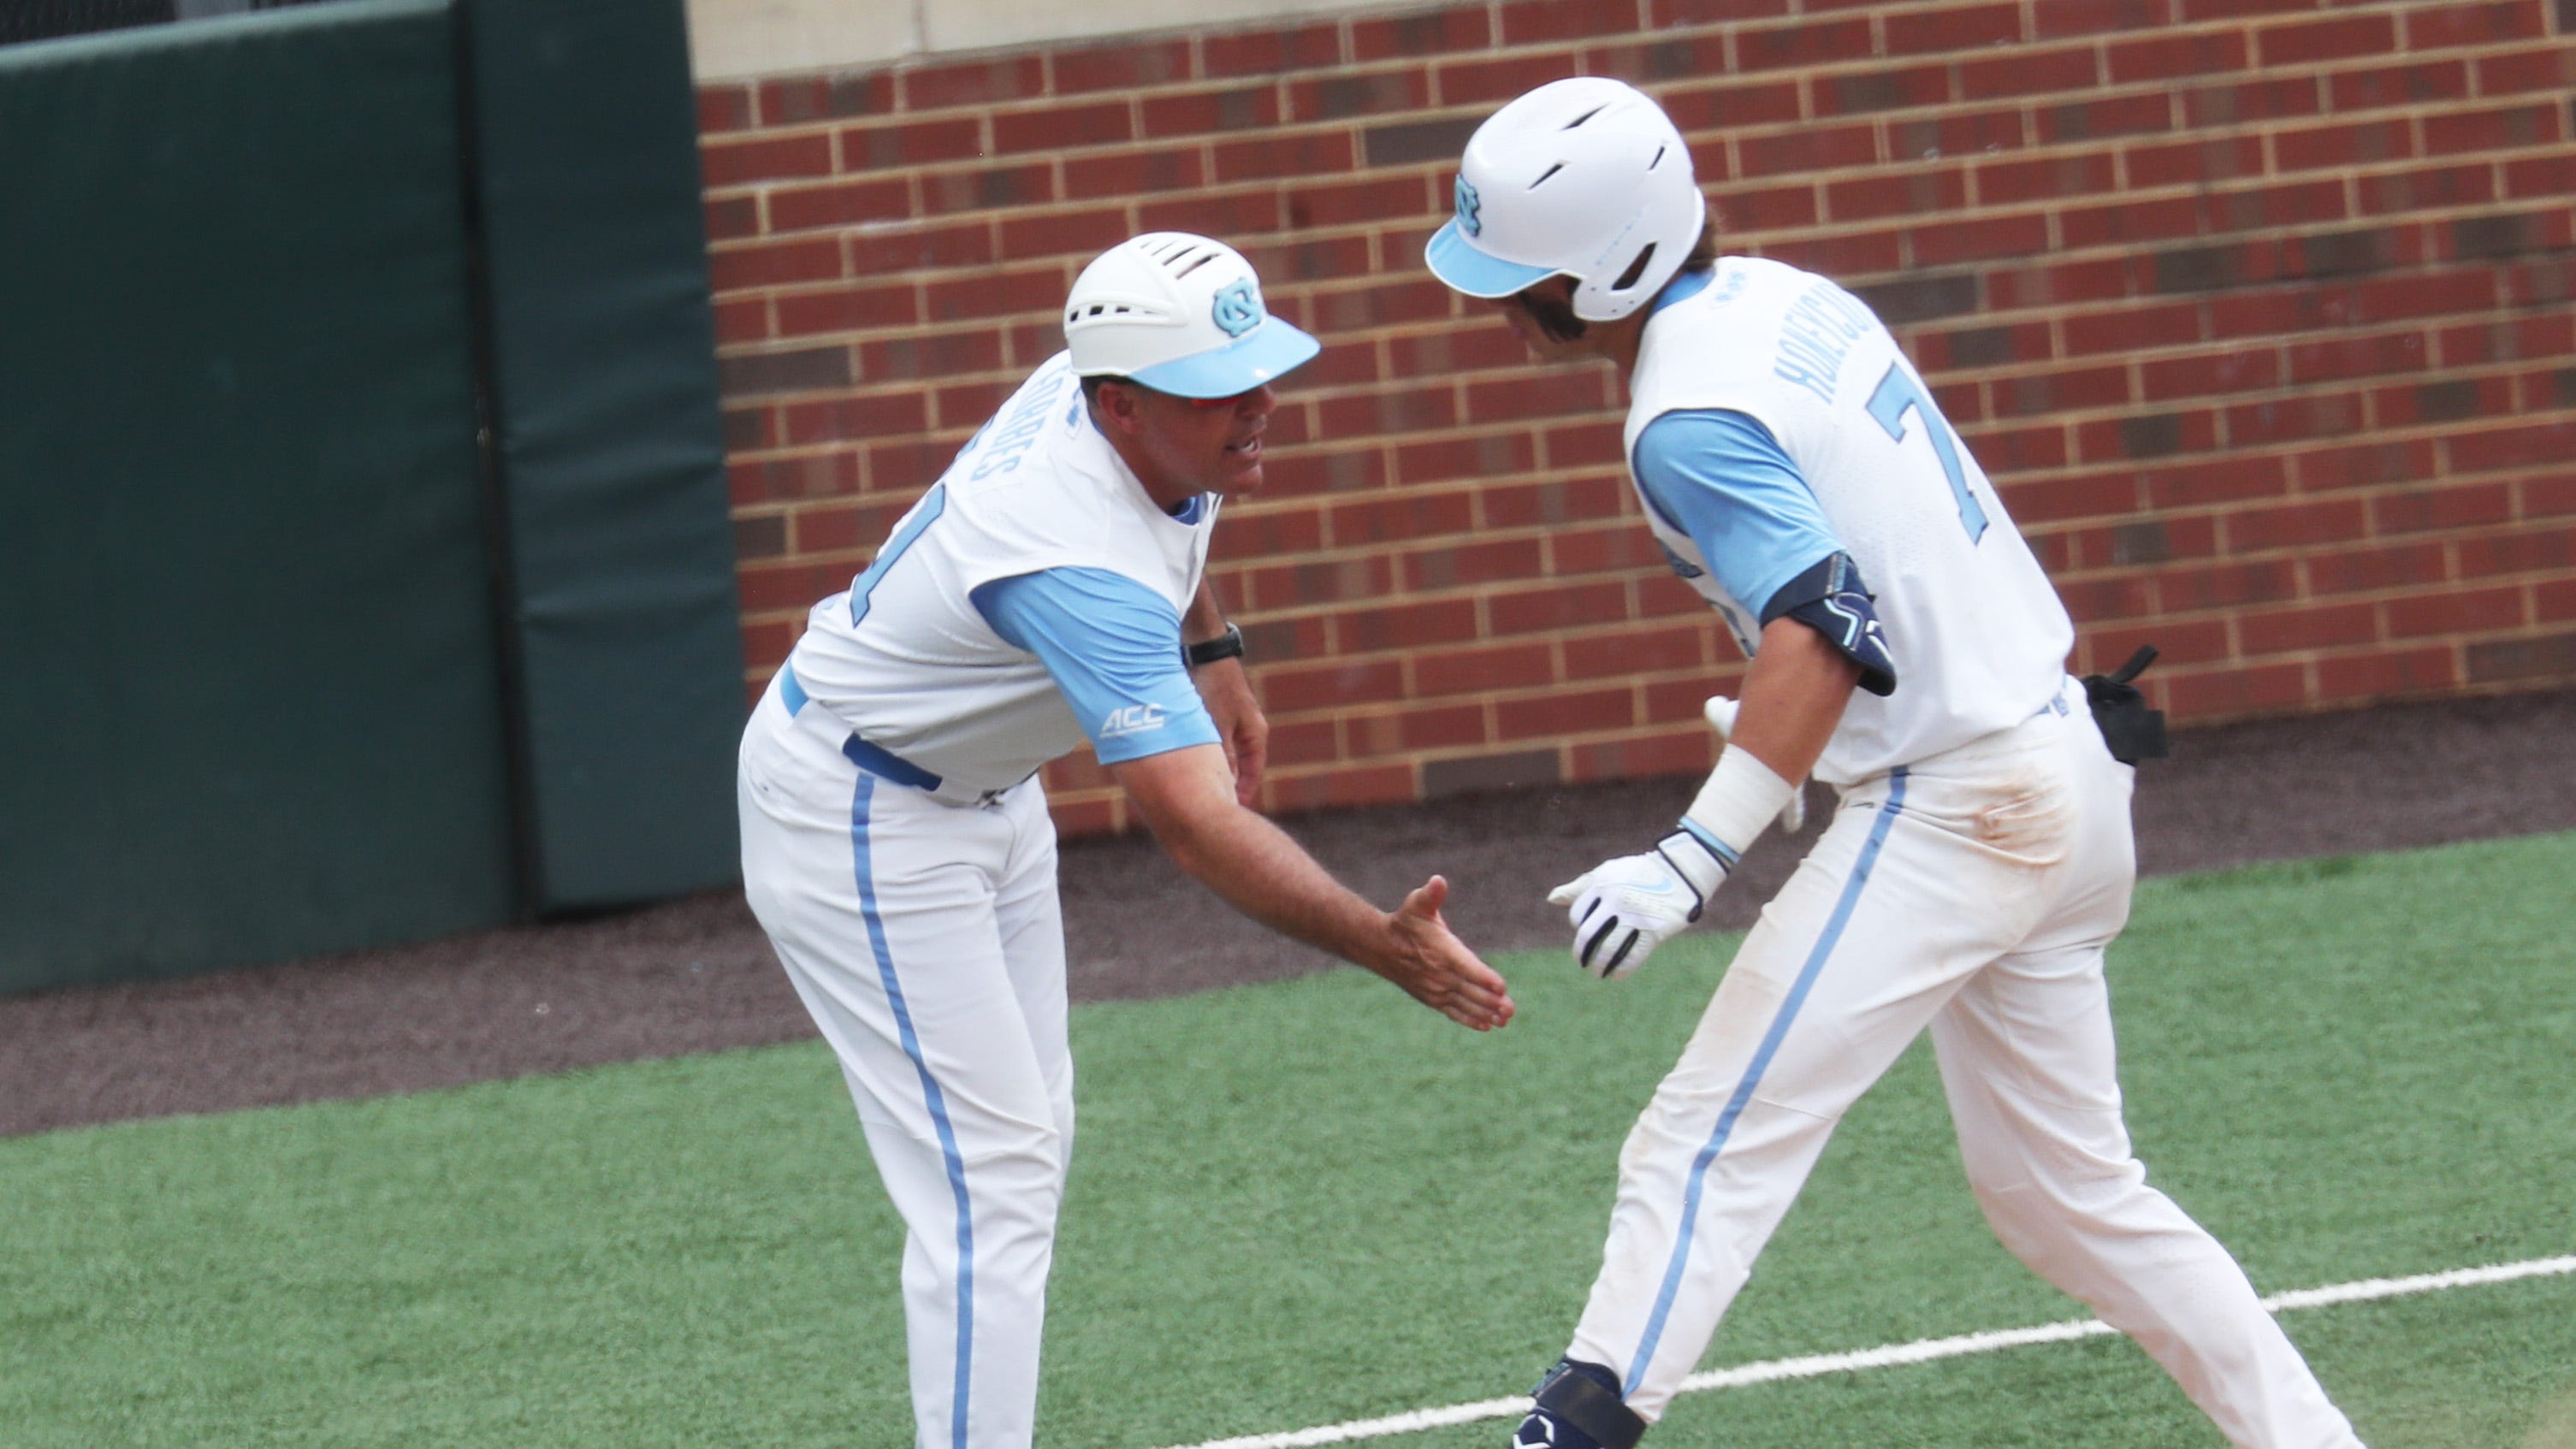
x=896, y=845
x=1907, y=650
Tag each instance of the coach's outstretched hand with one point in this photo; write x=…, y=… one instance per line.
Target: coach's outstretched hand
x=1435, y=968
x=1188, y=797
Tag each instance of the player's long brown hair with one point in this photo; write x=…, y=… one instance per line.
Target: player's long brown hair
x=1557, y=319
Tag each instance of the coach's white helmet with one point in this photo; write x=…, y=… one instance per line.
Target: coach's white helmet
x=1584, y=177
x=1180, y=314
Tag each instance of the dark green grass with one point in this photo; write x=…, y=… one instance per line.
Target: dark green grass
x=1310, y=1202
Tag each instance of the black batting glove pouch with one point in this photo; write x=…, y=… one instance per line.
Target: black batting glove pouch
x=2133, y=731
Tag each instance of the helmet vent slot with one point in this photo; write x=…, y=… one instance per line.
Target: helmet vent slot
x=1551, y=171
x=1659, y=159
x=1201, y=260
x=1579, y=120
x=1635, y=270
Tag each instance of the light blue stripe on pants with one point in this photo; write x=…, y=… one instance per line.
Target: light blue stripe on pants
x=925, y=940
x=1973, y=894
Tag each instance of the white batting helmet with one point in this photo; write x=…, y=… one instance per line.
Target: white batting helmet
x=1180, y=314
x=1585, y=178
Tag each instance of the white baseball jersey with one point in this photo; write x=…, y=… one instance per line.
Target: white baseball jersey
x=908, y=657
x=1976, y=632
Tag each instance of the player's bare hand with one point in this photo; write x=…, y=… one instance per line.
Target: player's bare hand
x=1240, y=725
x=1435, y=968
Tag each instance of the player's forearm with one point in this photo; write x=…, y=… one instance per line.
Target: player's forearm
x=1793, y=698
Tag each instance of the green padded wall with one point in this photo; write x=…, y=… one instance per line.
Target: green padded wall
x=246, y=605
x=602, y=346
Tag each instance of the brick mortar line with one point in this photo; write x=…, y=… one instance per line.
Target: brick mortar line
x=1323, y=291
x=1979, y=431
x=1829, y=230
x=2447, y=539
x=1433, y=328
x=2001, y=373
x=1609, y=734
x=2174, y=88
x=2115, y=148
x=2429, y=432
x=1720, y=670
x=1843, y=230
x=1632, y=684
x=2218, y=512
x=2381, y=640
x=1578, y=634
x=2371, y=598
x=2054, y=314
x=2296, y=553
x=2509, y=476
x=1496, y=50
x=1299, y=128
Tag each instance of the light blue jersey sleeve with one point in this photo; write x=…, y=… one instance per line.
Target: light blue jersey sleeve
x=1721, y=478
x=1113, y=647
x=1724, y=480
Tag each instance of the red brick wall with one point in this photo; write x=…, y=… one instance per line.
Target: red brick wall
x=2256, y=310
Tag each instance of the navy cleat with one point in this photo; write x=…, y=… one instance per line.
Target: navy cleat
x=1577, y=1406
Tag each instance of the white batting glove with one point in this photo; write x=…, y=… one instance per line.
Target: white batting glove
x=1623, y=909
x=1720, y=713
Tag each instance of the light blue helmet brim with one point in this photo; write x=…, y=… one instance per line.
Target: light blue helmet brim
x=1270, y=350
x=1455, y=260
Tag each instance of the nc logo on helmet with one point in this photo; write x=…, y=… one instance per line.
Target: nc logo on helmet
x=1470, y=209
x=1238, y=309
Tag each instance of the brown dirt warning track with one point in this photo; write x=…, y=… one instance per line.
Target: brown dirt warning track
x=696, y=975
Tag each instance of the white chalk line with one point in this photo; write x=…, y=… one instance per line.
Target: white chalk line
x=1892, y=1355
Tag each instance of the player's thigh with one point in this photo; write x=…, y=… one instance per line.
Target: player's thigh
x=2089, y=902
x=2027, y=1049
x=2029, y=1061
x=1861, y=947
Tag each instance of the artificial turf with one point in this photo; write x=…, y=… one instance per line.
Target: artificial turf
x=1308, y=1202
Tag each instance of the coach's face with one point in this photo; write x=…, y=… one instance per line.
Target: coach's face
x=1200, y=445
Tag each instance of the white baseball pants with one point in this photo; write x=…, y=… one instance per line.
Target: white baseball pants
x=1973, y=893
x=926, y=940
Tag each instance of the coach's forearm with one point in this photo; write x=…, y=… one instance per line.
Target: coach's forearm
x=1188, y=800
x=1205, y=617
x=1793, y=697
x=1269, y=877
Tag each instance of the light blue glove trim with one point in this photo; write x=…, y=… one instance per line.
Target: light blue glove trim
x=1720, y=477
x=1725, y=853
x=1113, y=648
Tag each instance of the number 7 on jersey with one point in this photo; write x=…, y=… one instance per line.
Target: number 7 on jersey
x=1895, y=393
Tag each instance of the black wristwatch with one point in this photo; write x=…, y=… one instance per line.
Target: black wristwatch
x=1228, y=645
